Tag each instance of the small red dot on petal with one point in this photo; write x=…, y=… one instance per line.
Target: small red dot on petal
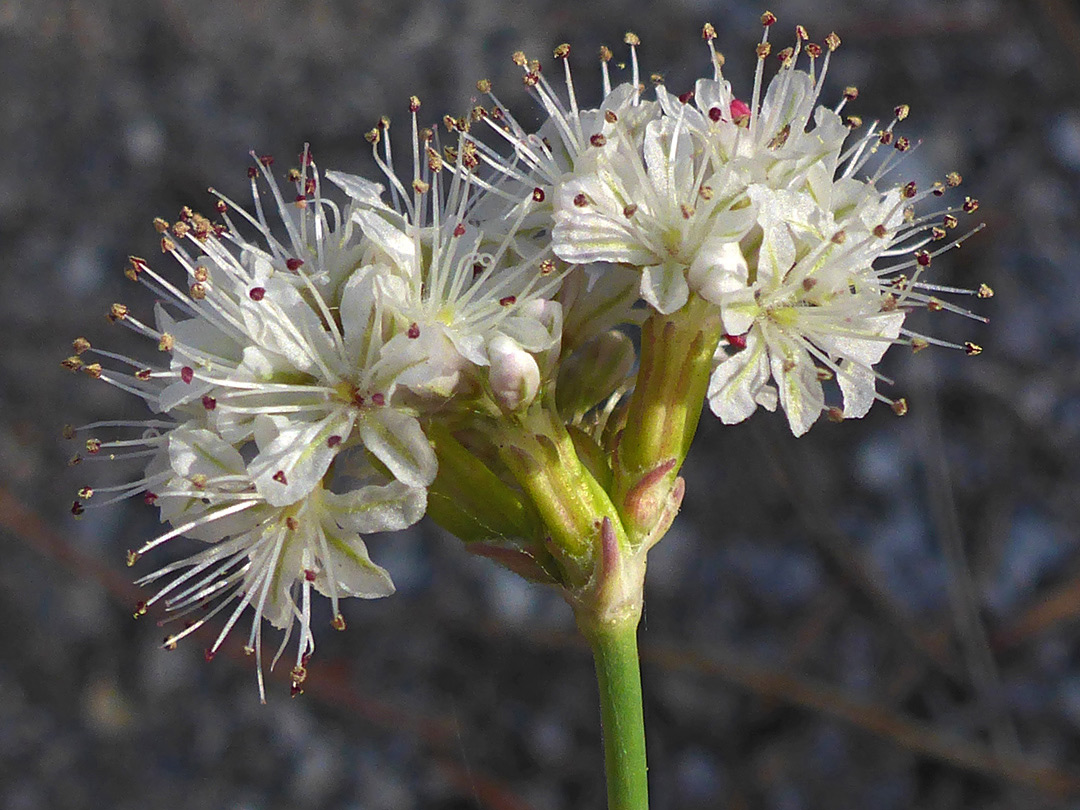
x=257, y=293
x=294, y=264
x=187, y=374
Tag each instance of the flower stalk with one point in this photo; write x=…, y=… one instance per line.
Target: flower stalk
x=618, y=676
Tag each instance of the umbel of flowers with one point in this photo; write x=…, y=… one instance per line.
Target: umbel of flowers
x=456, y=340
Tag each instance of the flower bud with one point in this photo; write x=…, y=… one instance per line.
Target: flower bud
x=514, y=375
x=716, y=270
x=593, y=373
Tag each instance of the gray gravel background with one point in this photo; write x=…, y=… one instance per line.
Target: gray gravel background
x=879, y=615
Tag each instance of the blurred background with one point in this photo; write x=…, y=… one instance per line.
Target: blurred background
x=881, y=614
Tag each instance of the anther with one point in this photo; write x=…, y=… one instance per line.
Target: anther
x=257, y=293
x=292, y=524
x=414, y=331
x=580, y=199
x=338, y=622
x=902, y=112
x=763, y=49
x=853, y=122
x=414, y=104
x=506, y=301
x=839, y=237
x=187, y=374
x=851, y=93
x=117, y=312
x=708, y=33
x=333, y=441
x=632, y=39
x=561, y=51
x=93, y=370
x=835, y=414
x=167, y=245
x=484, y=86
x=538, y=194
x=131, y=558
x=953, y=179
x=800, y=33
x=899, y=407
x=93, y=446
x=605, y=53
x=197, y=291
x=923, y=258
x=902, y=144
x=134, y=268
x=768, y=18
x=208, y=402
x=971, y=205
x=880, y=232
x=935, y=304
x=972, y=349
x=629, y=210
x=813, y=49
x=547, y=267
x=420, y=187
x=160, y=225
x=166, y=343
x=77, y=509
x=140, y=610
x=918, y=344
x=985, y=291
x=949, y=221
x=598, y=139
x=909, y=190
x=832, y=41
x=279, y=476
x=72, y=363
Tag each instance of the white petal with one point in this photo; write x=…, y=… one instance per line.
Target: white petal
x=373, y=508
x=397, y=440
x=359, y=188
x=294, y=455
x=354, y=573
x=800, y=389
x=738, y=380
x=391, y=240
x=664, y=287
x=857, y=384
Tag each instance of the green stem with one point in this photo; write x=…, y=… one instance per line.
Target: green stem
x=618, y=675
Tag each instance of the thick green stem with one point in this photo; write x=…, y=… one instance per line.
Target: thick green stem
x=618, y=675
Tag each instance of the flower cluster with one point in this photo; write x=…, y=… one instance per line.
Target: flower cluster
x=329, y=369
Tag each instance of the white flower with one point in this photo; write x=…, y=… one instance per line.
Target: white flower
x=773, y=140
x=448, y=288
x=812, y=306
x=568, y=134
x=266, y=343
x=266, y=557
x=657, y=208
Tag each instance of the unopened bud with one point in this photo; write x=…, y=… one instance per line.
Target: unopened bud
x=514, y=375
